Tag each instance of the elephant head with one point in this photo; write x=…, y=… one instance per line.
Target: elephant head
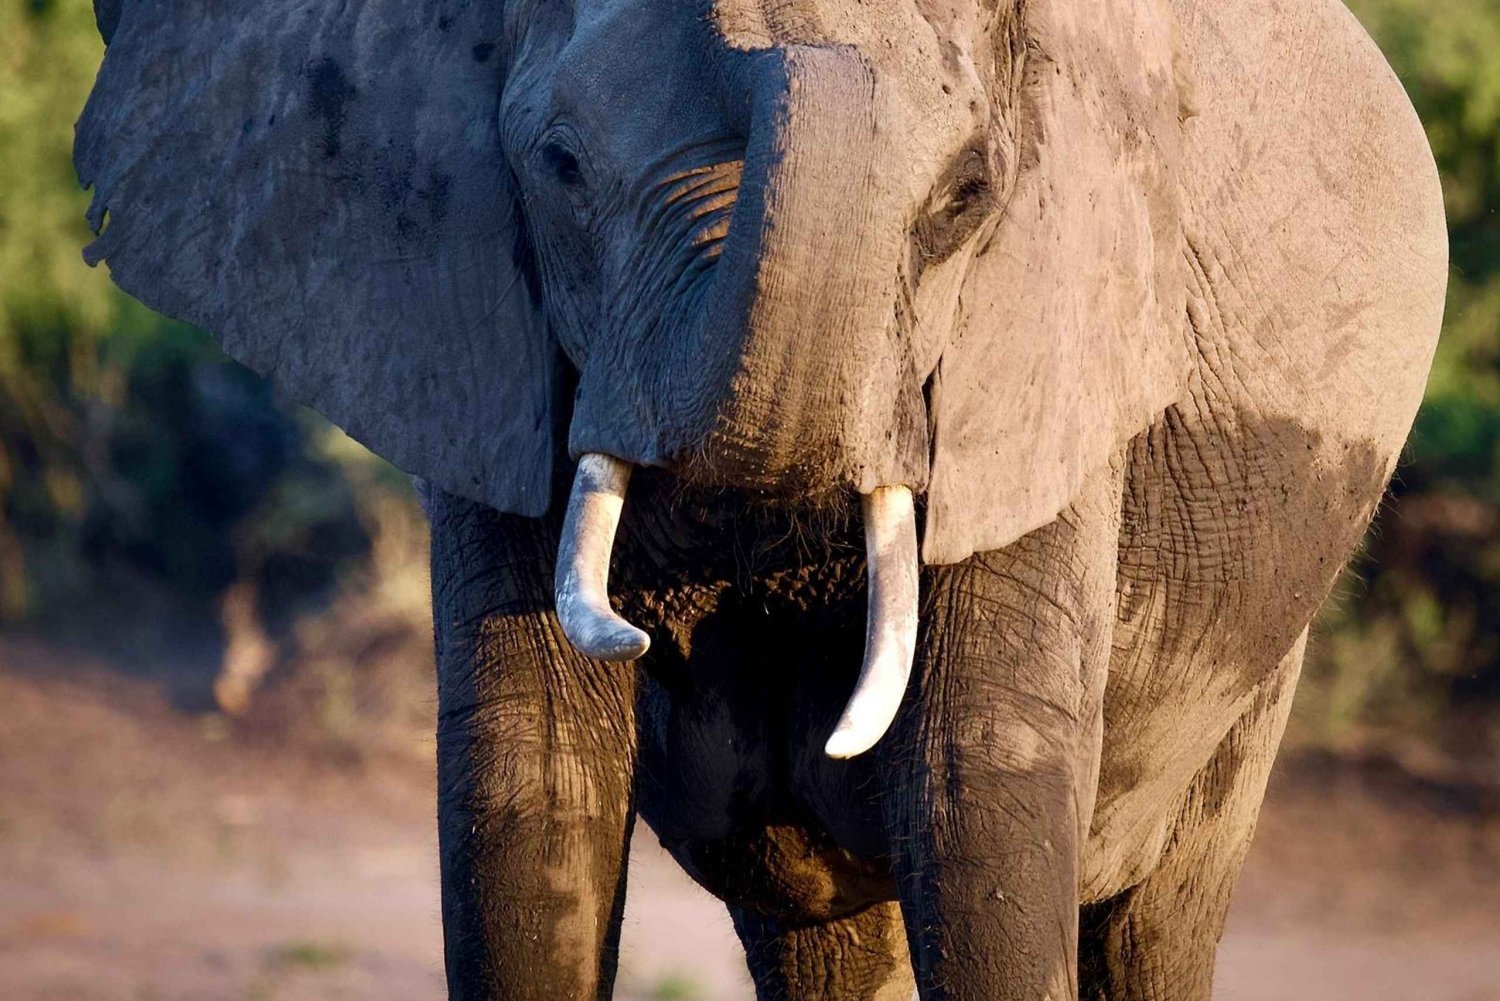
x=900, y=247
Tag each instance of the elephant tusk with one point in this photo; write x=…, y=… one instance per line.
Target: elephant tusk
x=582, y=580
x=891, y=625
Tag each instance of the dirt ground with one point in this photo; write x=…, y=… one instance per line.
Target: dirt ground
x=149, y=854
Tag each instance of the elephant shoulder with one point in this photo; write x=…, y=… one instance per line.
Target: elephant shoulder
x=1314, y=216
x=1316, y=253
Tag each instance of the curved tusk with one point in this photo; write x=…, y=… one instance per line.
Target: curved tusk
x=890, y=629
x=582, y=580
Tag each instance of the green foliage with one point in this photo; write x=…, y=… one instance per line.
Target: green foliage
x=51, y=308
x=127, y=440
x=317, y=957
x=675, y=988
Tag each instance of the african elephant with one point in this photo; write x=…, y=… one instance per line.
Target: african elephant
x=1055, y=352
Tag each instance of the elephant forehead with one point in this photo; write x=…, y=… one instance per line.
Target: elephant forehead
x=922, y=54
x=635, y=46
x=884, y=30
x=631, y=76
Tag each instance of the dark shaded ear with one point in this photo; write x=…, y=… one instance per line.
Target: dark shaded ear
x=1071, y=337
x=321, y=186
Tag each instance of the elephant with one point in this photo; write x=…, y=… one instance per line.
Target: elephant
x=893, y=447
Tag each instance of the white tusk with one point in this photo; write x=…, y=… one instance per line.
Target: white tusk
x=891, y=625
x=582, y=580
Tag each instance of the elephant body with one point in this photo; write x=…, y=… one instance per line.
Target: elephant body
x=1145, y=338
x=1152, y=768
x=1213, y=537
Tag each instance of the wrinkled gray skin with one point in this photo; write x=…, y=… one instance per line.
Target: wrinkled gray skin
x=1139, y=297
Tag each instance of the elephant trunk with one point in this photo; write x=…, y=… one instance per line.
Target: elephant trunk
x=796, y=358
x=778, y=362
x=789, y=374
x=824, y=391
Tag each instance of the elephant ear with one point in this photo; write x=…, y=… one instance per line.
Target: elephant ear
x=321, y=186
x=1071, y=336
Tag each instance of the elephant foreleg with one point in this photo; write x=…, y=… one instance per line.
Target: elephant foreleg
x=860, y=956
x=536, y=754
x=1158, y=940
x=995, y=759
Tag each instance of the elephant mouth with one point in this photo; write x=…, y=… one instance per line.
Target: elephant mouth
x=597, y=631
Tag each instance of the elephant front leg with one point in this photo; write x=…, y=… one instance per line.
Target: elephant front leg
x=1160, y=938
x=995, y=761
x=536, y=754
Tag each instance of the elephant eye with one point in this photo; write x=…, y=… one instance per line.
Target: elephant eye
x=967, y=191
x=563, y=164
x=956, y=208
x=967, y=186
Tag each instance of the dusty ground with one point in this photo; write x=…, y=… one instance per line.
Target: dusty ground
x=147, y=854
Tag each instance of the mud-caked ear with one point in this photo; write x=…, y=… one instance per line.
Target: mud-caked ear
x=321, y=186
x=1071, y=336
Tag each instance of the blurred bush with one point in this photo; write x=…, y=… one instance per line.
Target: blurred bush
x=128, y=445
x=136, y=461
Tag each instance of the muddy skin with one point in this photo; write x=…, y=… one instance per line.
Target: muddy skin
x=759, y=616
x=1001, y=819
x=535, y=801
